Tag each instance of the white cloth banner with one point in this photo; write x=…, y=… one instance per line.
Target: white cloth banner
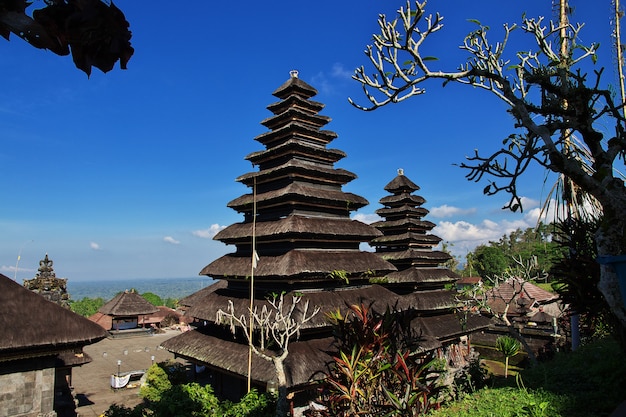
x=119, y=381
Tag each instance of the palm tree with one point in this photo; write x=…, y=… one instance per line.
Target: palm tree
x=509, y=347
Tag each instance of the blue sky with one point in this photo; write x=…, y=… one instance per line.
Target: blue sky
x=127, y=174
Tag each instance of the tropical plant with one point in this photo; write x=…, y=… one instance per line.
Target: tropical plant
x=509, y=347
x=376, y=370
x=578, y=275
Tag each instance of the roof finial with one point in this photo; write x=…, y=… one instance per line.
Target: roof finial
x=400, y=171
x=293, y=73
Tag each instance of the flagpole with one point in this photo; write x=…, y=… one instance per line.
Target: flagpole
x=253, y=265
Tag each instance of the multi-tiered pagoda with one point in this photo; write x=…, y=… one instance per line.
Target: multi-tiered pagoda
x=297, y=221
x=421, y=279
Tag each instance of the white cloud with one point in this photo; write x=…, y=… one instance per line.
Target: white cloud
x=465, y=236
x=94, y=246
x=322, y=84
x=170, y=239
x=5, y=268
x=339, y=71
x=450, y=211
x=367, y=218
x=529, y=203
x=209, y=232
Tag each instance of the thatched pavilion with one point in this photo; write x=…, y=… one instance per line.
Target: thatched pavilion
x=41, y=342
x=125, y=311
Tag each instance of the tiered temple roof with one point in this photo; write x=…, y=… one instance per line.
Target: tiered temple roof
x=420, y=278
x=297, y=220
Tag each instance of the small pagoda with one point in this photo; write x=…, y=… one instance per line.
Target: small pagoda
x=296, y=237
x=48, y=285
x=420, y=277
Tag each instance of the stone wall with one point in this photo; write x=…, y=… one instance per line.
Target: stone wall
x=27, y=388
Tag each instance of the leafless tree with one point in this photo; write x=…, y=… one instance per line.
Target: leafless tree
x=534, y=84
x=277, y=322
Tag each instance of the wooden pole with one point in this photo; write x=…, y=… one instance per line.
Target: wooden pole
x=253, y=265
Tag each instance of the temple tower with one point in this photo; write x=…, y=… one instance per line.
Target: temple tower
x=296, y=237
x=425, y=285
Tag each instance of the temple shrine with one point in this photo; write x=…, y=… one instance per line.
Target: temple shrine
x=296, y=238
x=427, y=287
x=48, y=285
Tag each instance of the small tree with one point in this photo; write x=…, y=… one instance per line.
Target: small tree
x=509, y=347
x=476, y=299
x=277, y=324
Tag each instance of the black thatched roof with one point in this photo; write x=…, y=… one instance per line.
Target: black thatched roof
x=301, y=264
x=416, y=254
x=32, y=326
x=128, y=303
x=322, y=175
x=405, y=223
x=329, y=299
x=294, y=86
x=296, y=101
x=192, y=299
x=301, y=193
x=306, y=363
x=429, y=300
x=292, y=147
x=318, y=228
x=422, y=239
x=422, y=275
x=448, y=326
x=401, y=184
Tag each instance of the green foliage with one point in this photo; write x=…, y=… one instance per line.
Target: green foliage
x=339, y=274
x=157, y=382
x=86, y=307
x=506, y=402
x=592, y=378
x=578, y=275
x=252, y=404
x=586, y=383
x=116, y=410
x=509, y=347
x=536, y=244
x=153, y=299
x=187, y=400
x=375, y=371
x=195, y=400
x=171, y=302
x=489, y=261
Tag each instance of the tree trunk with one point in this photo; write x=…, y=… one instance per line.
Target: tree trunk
x=506, y=366
x=282, y=407
x=610, y=241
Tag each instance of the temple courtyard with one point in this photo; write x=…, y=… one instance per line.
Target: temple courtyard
x=92, y=382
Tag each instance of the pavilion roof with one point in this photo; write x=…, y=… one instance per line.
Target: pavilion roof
x=128, y=303
x=32, y=325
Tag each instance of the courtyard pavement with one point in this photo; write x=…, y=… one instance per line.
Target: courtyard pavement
x=92, y=382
